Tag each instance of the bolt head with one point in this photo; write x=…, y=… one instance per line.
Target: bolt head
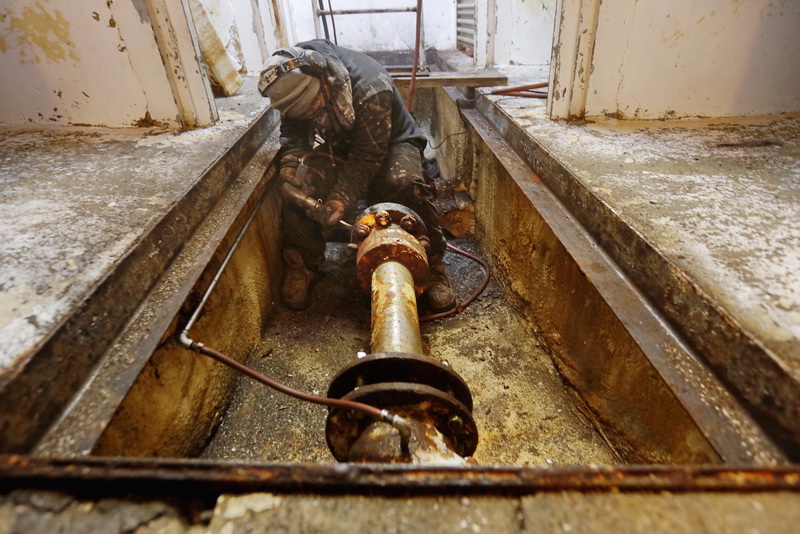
x=383, y=218
x=455, y=422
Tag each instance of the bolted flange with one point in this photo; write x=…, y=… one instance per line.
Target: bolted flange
x=400, y=367
x=387, y=214
x=436, y=412
x=391, y=232
x=414, y=386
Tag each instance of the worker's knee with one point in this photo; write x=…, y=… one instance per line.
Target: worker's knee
x=402, y=172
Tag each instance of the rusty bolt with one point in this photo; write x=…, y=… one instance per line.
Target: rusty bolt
x=383, y=218
x=408, y=223
x=455, y=422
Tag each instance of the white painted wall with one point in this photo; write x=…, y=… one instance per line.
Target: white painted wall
x=247, y=29
x=103, y=63
x=710, y=58
x=250, y=30
x=226, y=24
x=91, y=62
x=514, y=32
x=523, y=32
x=382, y=32
x=274, y=17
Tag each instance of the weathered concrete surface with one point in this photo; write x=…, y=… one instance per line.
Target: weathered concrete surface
x=713, y=246
x=26, y=511
x=76, y=200
x=661, y=513
x=105, y=213
x=701, y=215
x=29, y=511
x=265, y=512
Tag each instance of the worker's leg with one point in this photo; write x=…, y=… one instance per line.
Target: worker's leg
x=303, y=239
x=401, y=180
x=303, y=253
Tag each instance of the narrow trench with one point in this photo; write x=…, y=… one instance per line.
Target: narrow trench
x=524, y=414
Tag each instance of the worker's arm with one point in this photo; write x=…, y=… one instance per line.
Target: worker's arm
x=295, y=141
x=369, y=139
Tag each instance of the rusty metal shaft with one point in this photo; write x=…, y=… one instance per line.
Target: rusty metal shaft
x=432, y=405
x=395, y=323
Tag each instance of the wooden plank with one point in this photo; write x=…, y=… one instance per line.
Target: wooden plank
x=452, y=79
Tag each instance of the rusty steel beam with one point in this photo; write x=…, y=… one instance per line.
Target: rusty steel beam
x=199, y=477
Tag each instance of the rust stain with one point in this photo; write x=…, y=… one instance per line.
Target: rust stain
x=148, y=122
x=279, y=31
x=46, y=30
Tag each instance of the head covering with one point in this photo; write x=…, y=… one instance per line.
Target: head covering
x=338, y=79
x=292, y=92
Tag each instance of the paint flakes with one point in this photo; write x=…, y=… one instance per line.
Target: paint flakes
x=42, y=31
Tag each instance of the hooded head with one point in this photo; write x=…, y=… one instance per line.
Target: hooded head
x=310, y=64
x=291, y=91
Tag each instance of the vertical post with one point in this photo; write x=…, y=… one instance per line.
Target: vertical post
x=485, y=30
x=571, y=63
x=317, y=24
x=177, y=41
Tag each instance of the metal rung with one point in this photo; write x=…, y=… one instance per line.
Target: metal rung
x=321, y=13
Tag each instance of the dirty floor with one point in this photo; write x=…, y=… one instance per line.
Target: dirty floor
x=523, y=413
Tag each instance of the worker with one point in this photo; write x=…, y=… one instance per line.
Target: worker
x=345, y=136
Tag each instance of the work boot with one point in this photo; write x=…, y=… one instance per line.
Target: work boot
x=297, y=279
x=440, y=295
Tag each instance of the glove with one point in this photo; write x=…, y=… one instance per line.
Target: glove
x=328, y=213
x=296, y=174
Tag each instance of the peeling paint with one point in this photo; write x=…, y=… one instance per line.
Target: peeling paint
x=661, y=56
x=141, y=9
x=48, y=32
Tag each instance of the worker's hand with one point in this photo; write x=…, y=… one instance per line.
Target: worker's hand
x=293, y=172
x=328, y=213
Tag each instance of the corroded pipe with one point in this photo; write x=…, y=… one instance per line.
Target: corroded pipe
x=395, y=324
x=428, y=396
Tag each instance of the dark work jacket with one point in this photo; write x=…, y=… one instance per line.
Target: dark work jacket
x=380, y=120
